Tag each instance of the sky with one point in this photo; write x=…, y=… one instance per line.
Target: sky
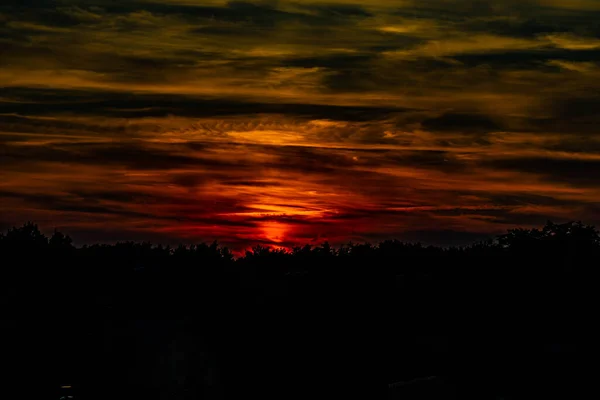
x=298, y=122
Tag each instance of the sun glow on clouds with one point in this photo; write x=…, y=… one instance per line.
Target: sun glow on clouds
x=277, y=210
x=274, y=232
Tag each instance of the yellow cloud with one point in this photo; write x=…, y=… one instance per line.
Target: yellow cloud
x=472, y=44
x=422, y=27
x=573, y=42
x=582, y=67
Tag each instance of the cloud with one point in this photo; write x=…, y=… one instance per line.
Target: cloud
x=282, y=122
x=462, y=122
x=581, y=67
x=572, y=42
x=466, y=45
x=44, y=101
x=573, y=171
x=578, y=5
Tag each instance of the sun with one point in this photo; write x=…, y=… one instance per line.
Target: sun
x=274, y=231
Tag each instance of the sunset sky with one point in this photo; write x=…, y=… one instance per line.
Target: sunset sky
x=293, y=122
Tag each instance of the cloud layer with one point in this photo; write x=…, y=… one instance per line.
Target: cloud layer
x=292, y=122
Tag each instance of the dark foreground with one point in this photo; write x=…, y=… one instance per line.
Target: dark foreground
x=512, y=318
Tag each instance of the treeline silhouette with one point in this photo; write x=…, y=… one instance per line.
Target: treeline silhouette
x=502, y=317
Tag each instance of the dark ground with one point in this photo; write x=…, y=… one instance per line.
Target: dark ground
x=513, y=319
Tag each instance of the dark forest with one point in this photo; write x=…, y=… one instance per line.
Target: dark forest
x=511, y=317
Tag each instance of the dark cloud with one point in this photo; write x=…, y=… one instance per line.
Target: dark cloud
x=514, y=200
x=232, y=31
x=127, y=155
x=531, y=59
x=462, y=122
x=583, y=108
x=261, y=15
x=72, y=204
x=120, y=204
x=18, y=123
x=258, y=184
x=353, y=80
x=189, y=180
x=528, y=27
x=340, y=10
x=335, y=61
x=429, y=159
x=191, y=207
x=127, y=68
x=575, y=143
x=531, y=219
x=117, y=104
x=572, y=171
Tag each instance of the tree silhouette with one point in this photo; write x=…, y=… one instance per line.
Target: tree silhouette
x=302, y=317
